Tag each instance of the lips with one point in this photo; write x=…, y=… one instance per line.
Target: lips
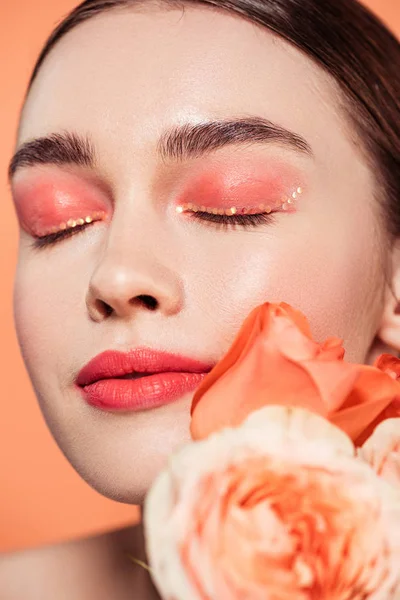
x=140, y=379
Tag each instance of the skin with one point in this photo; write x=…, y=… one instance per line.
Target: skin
x=124, y=78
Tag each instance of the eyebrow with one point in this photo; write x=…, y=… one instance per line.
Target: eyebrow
x=56, y=149
x=193, y=140
x=178, y=143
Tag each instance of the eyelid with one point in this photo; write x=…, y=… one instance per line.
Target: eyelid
x=67, y=229
x=243, y=216
x=72, y=223
x=287, y=203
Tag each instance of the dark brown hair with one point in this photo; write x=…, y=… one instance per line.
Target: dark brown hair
x=343, y=38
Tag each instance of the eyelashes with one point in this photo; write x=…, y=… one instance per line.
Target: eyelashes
x=221, y=221
x=234, y=221
x=53, y=238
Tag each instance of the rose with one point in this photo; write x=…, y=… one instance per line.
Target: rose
x=382, y=451
x=281, y=507
x=274, y=360
x=278, y=509
x=389, y=364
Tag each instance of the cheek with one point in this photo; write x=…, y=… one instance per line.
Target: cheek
x=34, y=313
x=45, y=304
x=331, y=282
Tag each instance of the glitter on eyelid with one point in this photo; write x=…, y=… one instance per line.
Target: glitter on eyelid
x=73, y=223
x=286, y=204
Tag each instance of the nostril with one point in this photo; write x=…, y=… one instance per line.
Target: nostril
x=103, y=308
x=148, y=301
x=100, y=310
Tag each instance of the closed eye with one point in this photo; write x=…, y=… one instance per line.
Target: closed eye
x=246, y=221
x=53, y=238
x=234, y=221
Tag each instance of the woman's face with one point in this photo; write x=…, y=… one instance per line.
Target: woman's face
x=155, y=94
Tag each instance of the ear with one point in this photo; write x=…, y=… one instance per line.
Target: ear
x=389, y=330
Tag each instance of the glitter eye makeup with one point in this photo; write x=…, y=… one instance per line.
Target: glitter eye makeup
x=67, y=229
x=51, y=206
x=72, y=223
x=286, y=204
x=245, y=218
x=247, y=196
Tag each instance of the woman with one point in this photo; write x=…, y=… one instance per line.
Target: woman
x=178, y=164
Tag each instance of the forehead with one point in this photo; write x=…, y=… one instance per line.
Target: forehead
x=129, y=72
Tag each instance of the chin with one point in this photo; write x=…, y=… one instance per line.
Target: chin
x=119, y=491
x=120, y=455
x=128, y=486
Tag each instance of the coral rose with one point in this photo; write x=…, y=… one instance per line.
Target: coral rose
x=382, y=451
x=389, y=364
x=274, y=360
x=277, y=509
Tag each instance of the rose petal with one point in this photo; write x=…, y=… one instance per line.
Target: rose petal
x=389, y=364
x=257, y=321
x=283, y=425
x=273, y=360
x=212, y=533
x=382, y=451
x=373, y=399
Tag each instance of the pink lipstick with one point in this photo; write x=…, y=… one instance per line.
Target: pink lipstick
x=139, y=380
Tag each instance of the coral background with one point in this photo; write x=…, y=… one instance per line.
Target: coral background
x=42, y=500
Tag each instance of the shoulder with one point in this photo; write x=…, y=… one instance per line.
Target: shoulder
x=79, y=570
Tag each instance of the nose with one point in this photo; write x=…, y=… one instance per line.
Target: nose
x=134, y=276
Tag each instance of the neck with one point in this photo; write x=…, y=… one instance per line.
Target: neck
x=129, y=543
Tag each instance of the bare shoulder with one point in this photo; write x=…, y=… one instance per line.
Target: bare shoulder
x=93, y=568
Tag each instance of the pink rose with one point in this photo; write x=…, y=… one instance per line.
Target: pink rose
x=277, y=509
